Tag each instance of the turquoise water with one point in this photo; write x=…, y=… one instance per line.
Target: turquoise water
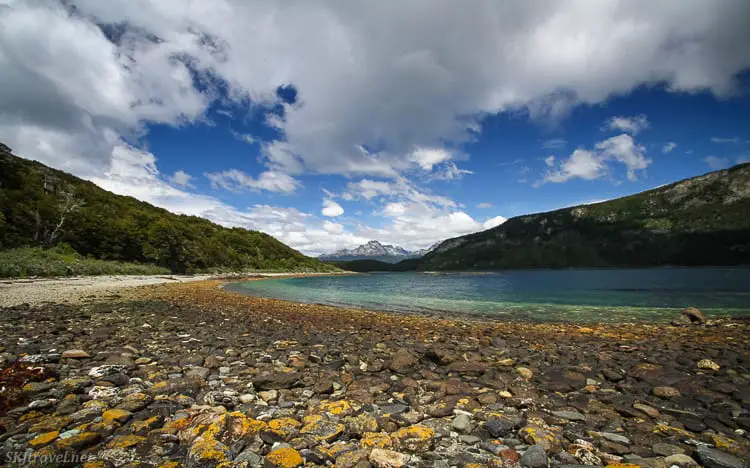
x=603, y=295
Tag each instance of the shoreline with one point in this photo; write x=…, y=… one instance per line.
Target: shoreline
x=189, y=374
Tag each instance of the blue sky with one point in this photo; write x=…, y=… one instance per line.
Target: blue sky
x=327, y=125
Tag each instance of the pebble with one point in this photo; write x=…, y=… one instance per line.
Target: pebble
x=534, y=457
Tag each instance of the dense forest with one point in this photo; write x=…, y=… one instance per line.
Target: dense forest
x=700, y=221
x=44, y=207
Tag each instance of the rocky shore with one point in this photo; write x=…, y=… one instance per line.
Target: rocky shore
x=191, y=375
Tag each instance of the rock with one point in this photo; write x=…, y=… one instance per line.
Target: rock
x=559, y=379
x=402, y=361
x=376, y=440
x=78, y=441
x=206, y=452
x=269, y=395
x=499, y=425
x=417, y=439
x=681, y=461
x=617, y=438
x=712, y=458
x=649, y=410
x=708, y=364
x=101, y=371
x=75, y=354
x=228, y=398
x=383, y=458
x=198, y=372
x=323, y=430
x=284, y=457
x=117, y=415
x=695, y=315
x=534, y=457
x=525, y=373
x=277, y=381
x=249, y=456
x=225, y=370
x=462, y=423
x=666, y=392
x=353, y=459
x=666, y=450
x=569, y=415
x=548, y=438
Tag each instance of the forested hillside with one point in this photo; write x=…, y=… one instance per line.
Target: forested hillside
x=43, y=207
x=700, y=221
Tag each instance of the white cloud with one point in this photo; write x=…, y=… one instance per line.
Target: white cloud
x=181, y=179
x=669, y=147
x=236, y=181
x=422, y=88
x=331, y=208
x=716, y=162
x=427, y=158
x=743, y=159
x=449, y=171
x=246, y=137
x=582, y=164
x=494, y=222
x=725, y=140
x=622, y=148
x=632, y=125
x=484, y=205
x=394, y=209
x=590, y=165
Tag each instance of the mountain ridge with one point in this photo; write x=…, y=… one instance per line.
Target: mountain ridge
x=703, y=220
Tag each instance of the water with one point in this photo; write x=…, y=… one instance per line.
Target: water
x=602, y=295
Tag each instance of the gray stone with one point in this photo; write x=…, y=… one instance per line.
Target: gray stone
x=252, y=458
x=712, y=458
x=198, y=372
x=570, y=415
x=617, y=438
x=462, y=424
x=535, y=457
x=681, y=460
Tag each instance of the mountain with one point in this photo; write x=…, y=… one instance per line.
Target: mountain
x=704, y=220
x=44, y=207
x=374, y=250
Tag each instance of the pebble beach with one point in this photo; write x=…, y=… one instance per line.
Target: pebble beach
x=188, y=374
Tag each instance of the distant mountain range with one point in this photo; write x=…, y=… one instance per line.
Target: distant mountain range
x=374, y=250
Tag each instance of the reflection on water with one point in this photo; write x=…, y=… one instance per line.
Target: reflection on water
x=538, y=295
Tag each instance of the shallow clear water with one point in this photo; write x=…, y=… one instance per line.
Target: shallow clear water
x=602, y=295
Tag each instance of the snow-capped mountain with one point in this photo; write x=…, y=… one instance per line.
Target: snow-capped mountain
x=374, y=250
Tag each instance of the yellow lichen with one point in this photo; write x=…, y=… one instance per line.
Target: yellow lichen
x=376, y=440
x=206, y=449
x=78, y=441
x=43, y=439
x=146, y=424
x=336, y=408
x=116, y=415
x=125, y=441
x=285, y=457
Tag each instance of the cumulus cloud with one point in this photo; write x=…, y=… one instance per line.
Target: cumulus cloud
x=331, y=209
x=237, y=181
x=418, y=88
x=374, y=81
x=669, y=147
x=494, y=222
x=593, y=164
x=181, y=179
x=632, y=125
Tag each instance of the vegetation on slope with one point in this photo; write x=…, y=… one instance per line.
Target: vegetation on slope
x=700, y=221
x=368, y=265
x=64, y=261
x=41, y=207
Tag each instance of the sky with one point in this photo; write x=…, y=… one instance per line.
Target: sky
x=327, y=124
